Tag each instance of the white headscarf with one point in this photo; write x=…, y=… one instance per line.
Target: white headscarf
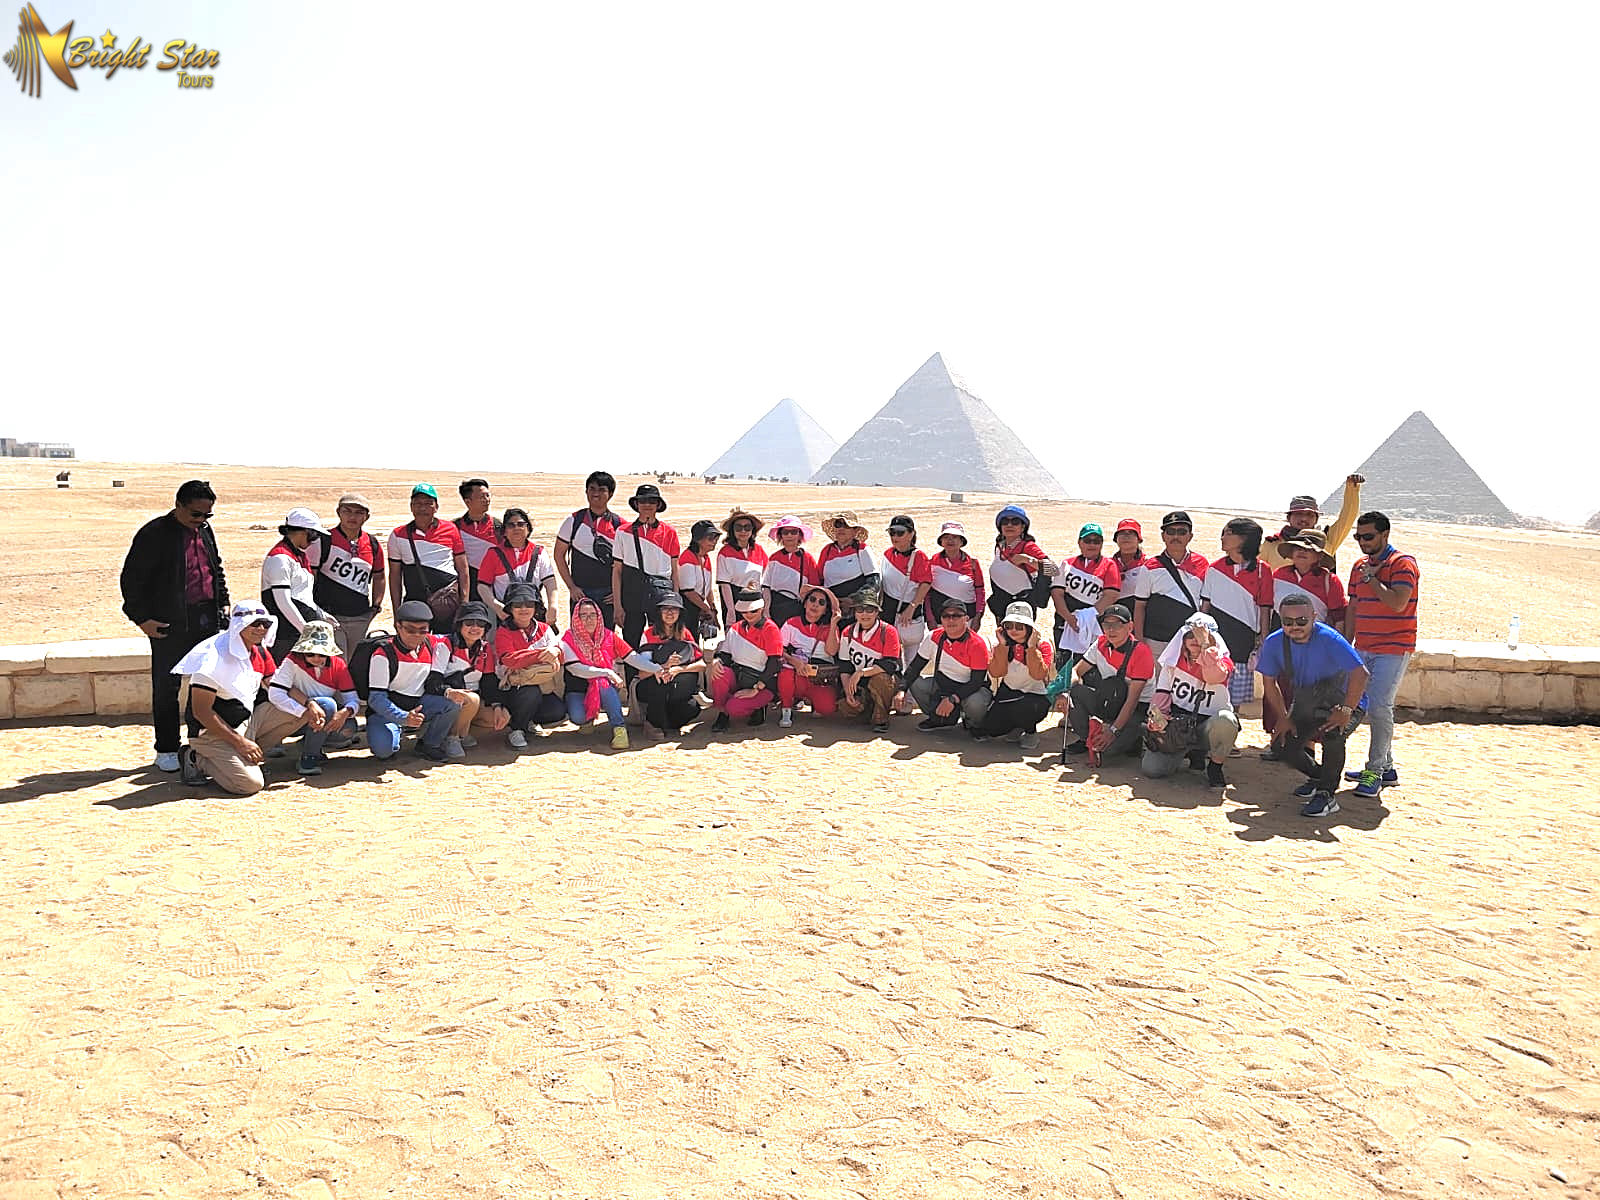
x=225, y=659
x=1174, y=650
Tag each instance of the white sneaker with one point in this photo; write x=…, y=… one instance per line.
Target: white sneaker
x=1029, y=741
x=786, y=719
x=517, y=739
x=452, y=747
x=167, y=760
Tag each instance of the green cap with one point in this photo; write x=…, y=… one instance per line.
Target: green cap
x=424, y=489
x=1091, y=527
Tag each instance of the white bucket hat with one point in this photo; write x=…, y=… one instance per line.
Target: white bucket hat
x=955, y=527
x=303, y=518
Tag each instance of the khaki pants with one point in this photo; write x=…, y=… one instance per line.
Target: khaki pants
x=222, y=762
x=875, y=693
x=269, y=725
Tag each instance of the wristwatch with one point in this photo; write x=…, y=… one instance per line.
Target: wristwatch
x=1345, y=707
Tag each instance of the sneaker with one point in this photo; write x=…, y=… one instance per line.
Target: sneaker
x=720, y=725
x=931, y=724
x=1014, y=736
x=277, y=751
x=308, y=766
x=453, y=748
x=757, y=718
x=1369, y=784
x=1214, y=776
x=1270, y=754
x=619, y=738
x=1306, y=790
x=189, y=769
x=1029, y=740
x=1078, y=747
x=342, y=740
x=431, y=753
x=652, y=732
x=1322, y=804
x=880, y=727
x=468, y=741
x=167, y=760
x=786, y=719
x=1388, y=779
x=517, y=740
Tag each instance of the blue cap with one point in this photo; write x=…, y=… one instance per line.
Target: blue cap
x=1011, y=510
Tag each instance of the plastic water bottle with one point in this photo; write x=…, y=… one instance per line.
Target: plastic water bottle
x=1514, y=633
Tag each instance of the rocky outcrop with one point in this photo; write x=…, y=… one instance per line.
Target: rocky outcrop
x=1416, y=474
x=935, y=433
x=787, y=443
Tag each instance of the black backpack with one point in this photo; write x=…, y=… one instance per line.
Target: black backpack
x=360, y=663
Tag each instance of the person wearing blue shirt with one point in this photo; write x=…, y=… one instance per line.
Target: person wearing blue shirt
x=1330, y=682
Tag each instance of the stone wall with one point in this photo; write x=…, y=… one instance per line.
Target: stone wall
x=1532, y=683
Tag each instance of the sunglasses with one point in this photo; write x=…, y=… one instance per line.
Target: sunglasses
x=196, y=514
x=1091, y=541
x=516, y=525
x=953, y=616
x=259, y=625
x=1366, y=537
x=1011, y=521
x=1178, y=530
x=816, y=599
x=744, y=527
x=1294, y=622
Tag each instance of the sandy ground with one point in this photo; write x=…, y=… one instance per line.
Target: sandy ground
x=817, y=965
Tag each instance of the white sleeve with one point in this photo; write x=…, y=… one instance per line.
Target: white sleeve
x=275, y=572
x=564, y=534
x=1143, y=591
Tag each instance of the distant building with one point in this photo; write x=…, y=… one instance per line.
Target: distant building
x=12, y=448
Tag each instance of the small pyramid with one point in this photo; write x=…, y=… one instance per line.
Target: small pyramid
x=787, y=443
x=935, y=433
x=1593, y=523
x=1418, y=475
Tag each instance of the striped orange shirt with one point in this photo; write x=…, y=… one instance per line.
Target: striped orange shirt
x=1379, y=629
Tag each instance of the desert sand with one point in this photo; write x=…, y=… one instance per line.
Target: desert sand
x=814, y=964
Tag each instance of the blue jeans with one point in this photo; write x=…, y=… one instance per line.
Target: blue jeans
x=438, y=715
x=610, y=702
x=311, y=743
x=1387, y=672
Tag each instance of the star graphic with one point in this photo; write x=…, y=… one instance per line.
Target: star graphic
x=109, y=40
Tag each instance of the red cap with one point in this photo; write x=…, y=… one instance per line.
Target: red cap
x=1129, y=523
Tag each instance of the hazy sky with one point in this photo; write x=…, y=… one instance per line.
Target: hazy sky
x=551, y=237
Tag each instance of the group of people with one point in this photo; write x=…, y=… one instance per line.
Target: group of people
x=1147, y=655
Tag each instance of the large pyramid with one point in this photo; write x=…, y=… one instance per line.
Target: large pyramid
x=1417, y=474
x=787, y=443
x=935, y=433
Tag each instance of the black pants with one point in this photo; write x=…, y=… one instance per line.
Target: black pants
x=530, y=705
x=1087, y=702
x=784, y=607
x=1311, y=708
x=670, y=705
x=165, y=654
x=1023, y=712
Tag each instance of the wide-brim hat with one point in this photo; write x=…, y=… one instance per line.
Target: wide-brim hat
x=1012, y=510
x=1305, y=504
x=868, y=597
x=1307, y=539
x=953, y=527
x=746, y=602
x=303, y=518
x=845, y=520
x=1019, y=612
x=317, y=638
x=741, y=514
x=789, y=521
x=701, y=528
x=519, y=594
x=474, y=610
x=647, y=491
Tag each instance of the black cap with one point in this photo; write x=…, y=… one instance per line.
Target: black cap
x=1176, y=517
x=647, y=491
x=702, y=528
x=902, y=522
x=414, y=610
x=952, y=605
x=474, y=610
x=521, y=593
x=1117, y=612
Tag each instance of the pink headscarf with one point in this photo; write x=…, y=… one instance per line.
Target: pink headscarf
x=597, y=650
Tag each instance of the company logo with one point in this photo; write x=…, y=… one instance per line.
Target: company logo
x=38, y=48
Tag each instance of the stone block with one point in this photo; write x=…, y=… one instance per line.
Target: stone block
x=122, y=694
x=52, y=695
x=1433, y=656
x=1588, y=689
x=6, y=712
x=22, y=660
x=1462, y=691
x=103, y=655
x=1523, y=694
x=1488, y=656
x=1560, y=695
x=1575, y=660
x=1410, y=693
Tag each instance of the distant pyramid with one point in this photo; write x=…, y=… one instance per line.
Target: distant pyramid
x=787, y=443
x=1593, y=523
x=935, y=433
x=1417, y=474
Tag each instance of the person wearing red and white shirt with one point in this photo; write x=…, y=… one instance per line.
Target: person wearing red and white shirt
x=312, y=691
x=741, y=561
x=1193, y=681
x=522, y=642
x=1169, y=591
x=428, y=556
x=956, y=576
x=1238, y=592
x=907, y=579
x=1019, y=671
x=1306, y=576
x=810, y=642
x=407, y=690
x=1085, y=586
x=697, y=584
x=1020, y=570
x=1107, y=715
x=584, y=547
x=288, y=584
x=870, y=654
x=1130, y=559
x=480, y=532
x=647, y=551
x=517, y=559
x=790, y=569
x=957, y=689
x=351, y=574
x=744, y=675
x=845, y=564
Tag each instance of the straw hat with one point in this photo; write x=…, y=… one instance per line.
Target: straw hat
x=845, y=520
x=737, y=514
